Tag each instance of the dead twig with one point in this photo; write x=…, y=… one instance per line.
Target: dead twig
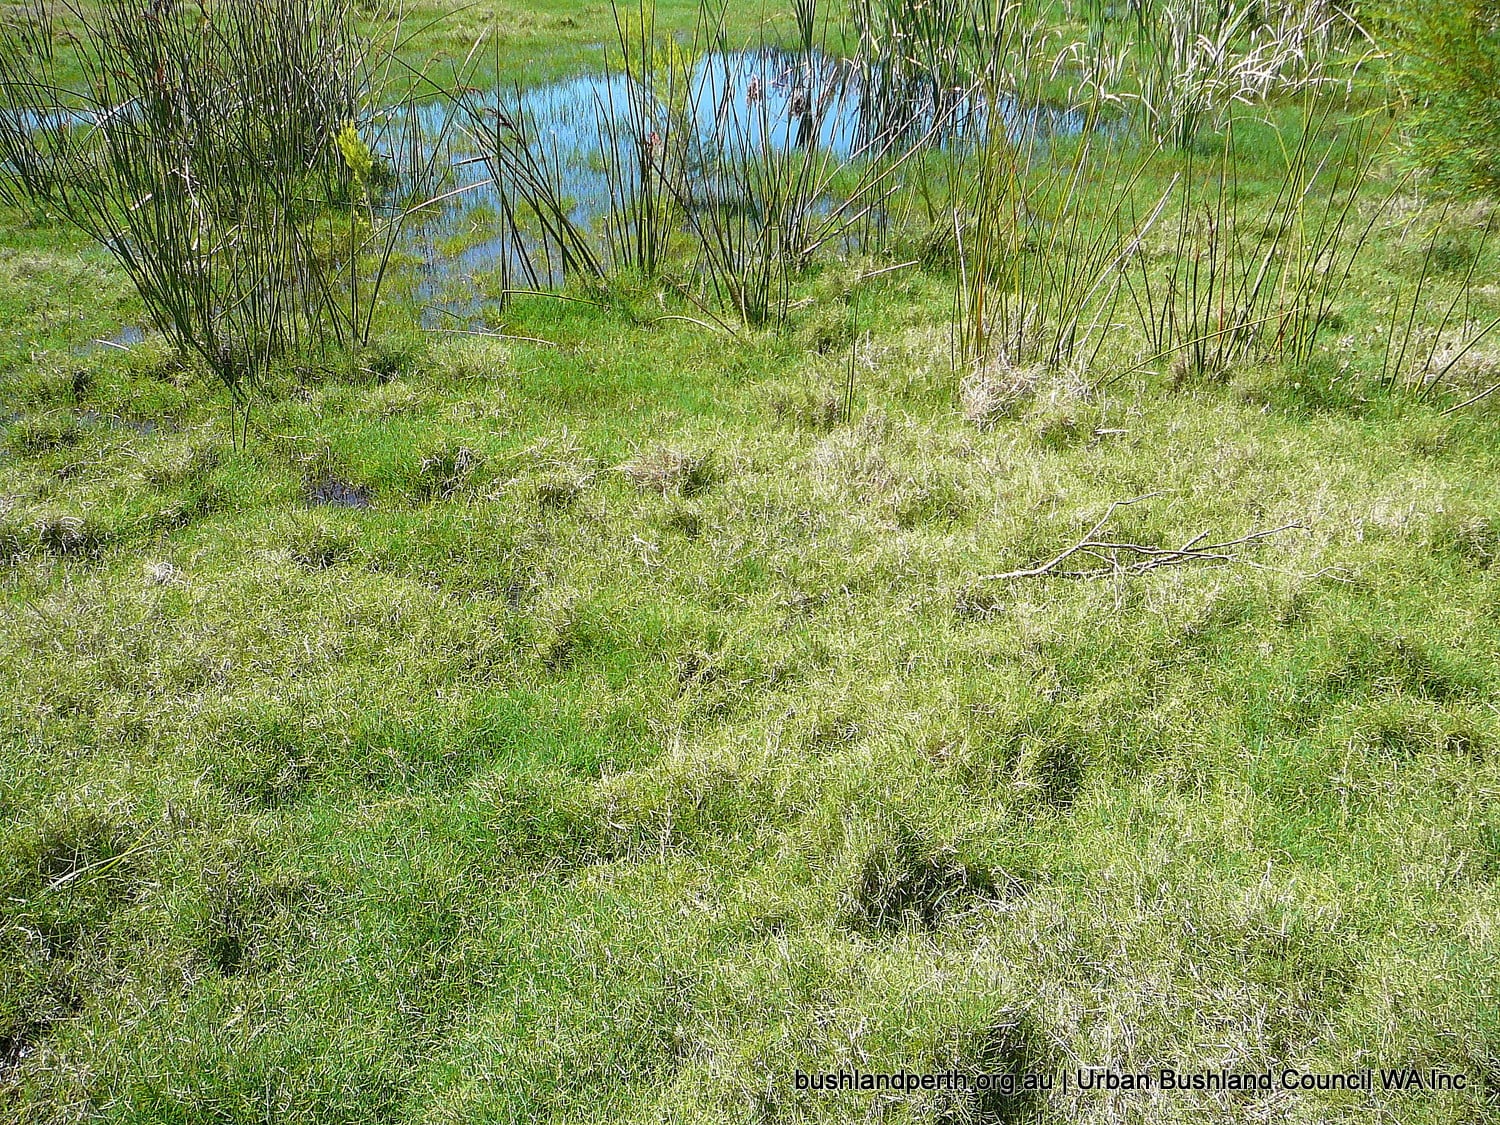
x=493, y=335
x=1082, y=544
x=1145, y=557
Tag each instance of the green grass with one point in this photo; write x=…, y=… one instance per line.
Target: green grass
x=650, y=735
x=550, y=39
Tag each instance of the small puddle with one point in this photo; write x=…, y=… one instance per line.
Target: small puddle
x=116, y=422
x=125, y=339
x=334, y=493
x=121, y=340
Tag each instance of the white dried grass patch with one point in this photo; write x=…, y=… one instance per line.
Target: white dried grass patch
x=994, y=391
x=665, y=469
x=1458, y=366
x=161, y=574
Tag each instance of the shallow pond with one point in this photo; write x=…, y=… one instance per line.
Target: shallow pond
x=748, y=99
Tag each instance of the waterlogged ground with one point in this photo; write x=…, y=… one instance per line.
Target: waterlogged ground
x=607, y=725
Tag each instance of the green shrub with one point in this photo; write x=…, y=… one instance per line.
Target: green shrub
x=1448, y=60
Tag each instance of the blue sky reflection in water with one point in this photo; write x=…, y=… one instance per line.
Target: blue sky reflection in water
x=743, y=99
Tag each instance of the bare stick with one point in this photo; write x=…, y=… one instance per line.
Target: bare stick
x=1147, y=557
x=493, y=335
x=1048, y=567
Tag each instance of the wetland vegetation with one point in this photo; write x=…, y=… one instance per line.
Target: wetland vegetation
x=575, y=562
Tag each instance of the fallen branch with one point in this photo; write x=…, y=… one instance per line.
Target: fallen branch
x=1144, y=556
x=691, y=320
x=493, y=335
